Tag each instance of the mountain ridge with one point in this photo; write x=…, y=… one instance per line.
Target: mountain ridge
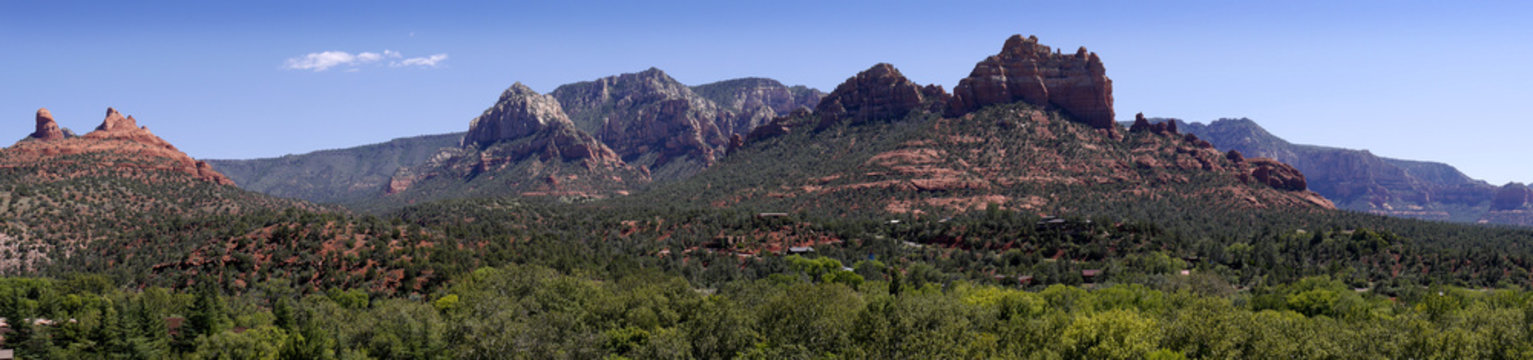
x=1359, y=180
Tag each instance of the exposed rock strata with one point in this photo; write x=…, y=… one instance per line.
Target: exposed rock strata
x=1027, y=71
x=1511, y=196
x=648, y=119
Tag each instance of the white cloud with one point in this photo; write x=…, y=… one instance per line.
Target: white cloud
x=368, y=57
x=429, y=61
x=322, y=61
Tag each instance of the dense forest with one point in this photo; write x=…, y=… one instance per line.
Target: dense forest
x=494, y=278
x=811, y=308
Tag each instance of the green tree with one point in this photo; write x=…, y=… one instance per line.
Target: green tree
x=1115, y=334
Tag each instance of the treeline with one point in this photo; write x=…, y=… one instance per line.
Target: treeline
x=813, y=309
x=418, y=249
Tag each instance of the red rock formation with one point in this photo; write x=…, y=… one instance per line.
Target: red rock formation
x=735, y=142
x=46, y=128
x=1235, y=156
x=1026, y=71
x=1140, y=124
x=878, y=93
x=117, y=136
x=1512, y=196
x=115, y=122
x=1277, y=174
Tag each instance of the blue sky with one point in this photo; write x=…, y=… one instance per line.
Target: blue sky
x=1427, y=80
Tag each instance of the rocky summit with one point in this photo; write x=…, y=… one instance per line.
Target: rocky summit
x=519, y=112
x=752, y=102
x=1076, y=84
x=649, y=119
x=878, y=93
x=523, y=144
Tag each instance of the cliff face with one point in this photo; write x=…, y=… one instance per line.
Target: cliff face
x=1512, y=196
x=1076, y=84
x=752, y=102
x=519, y=112
x=648, y=119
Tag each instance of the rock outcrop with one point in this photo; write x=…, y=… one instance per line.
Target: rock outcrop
x=1511, y=196
x=47, y=129
x=524, y=123
x=523, y=136
x=519, y=112
x=1142, y=124
x=649, y=119
x=123, y=143
x=1075, y=83
x=752, y=102
x=878, y=93
x=1277, y=174
x=116, y=122
x=1235, y=156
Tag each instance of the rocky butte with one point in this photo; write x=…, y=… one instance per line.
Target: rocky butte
x=117, y=135
x=46, y=128
x=1076, y=84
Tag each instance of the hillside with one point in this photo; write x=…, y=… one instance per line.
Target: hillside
x=1359, y=180
x=62, y=194
x=882, y=144
x=334, y=176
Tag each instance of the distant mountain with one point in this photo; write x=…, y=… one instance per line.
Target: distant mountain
x=754, y=101
x=652, y=121
x=524, y=145
x=1359, y=180
x=335, y=176
x=880, y=143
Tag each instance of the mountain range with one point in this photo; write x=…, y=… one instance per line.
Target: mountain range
x=664, y=129
x=1028, y=131
x=668, y=132
x=1361, y=181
